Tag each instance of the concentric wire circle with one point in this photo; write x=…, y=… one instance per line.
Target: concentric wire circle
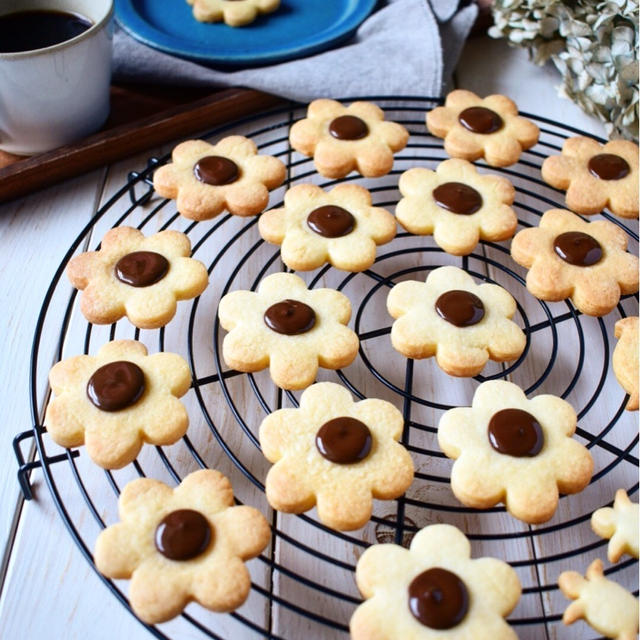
x=303, y=584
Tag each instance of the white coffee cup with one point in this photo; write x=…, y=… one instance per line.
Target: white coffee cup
x=52, y=96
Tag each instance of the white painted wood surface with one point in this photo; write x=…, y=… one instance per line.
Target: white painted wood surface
x=50, y=591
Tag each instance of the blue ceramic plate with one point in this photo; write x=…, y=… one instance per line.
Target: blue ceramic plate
x=298, y=28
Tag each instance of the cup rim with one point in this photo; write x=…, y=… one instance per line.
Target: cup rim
x=14, y=55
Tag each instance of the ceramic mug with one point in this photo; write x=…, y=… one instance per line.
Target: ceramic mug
x=55, y=95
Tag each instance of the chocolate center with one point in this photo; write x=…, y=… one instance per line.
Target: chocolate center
x=457, y=198
x=183, y=534
x=116, y=385
x=460, y=308
x=608, y=166
x=480, y=120
x=216, y=170
x=578, y=248
x=331, y=221
x=348, y=128
x=438, y=598
x=515, y=433
x=290, y=317
x=141, y=268
x=344, y=440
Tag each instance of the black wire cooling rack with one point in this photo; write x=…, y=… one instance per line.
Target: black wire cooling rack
x=303, y=585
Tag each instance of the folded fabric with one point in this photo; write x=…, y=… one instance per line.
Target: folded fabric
x=406, y=47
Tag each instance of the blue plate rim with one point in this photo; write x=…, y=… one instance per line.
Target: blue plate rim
x=131, y=21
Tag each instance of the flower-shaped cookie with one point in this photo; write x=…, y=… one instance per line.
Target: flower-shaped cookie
x=457, y=205
x=135, y=276
x=433, y=590
x=473, y=127
x=586, y=261
x=596, y=176
x=235, y=13
x=335, y=453
x=182, y=544
x=340, y=227
x=514, y=450
x=625, y=359
x=609, y=608
x=288, y=328
x=206, y=179
x=619, y=525
x=117, y=400
x=343, y=139
x=463, y=324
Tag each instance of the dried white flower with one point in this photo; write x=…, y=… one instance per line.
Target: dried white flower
x=594, y=45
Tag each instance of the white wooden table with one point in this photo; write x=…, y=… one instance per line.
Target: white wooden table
x=48, y=590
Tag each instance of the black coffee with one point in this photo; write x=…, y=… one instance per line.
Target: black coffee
x=29, y=30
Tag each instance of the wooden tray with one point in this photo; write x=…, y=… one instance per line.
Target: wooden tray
x=141, y=117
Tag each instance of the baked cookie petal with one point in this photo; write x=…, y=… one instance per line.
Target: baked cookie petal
x=293, y=369
x=112, y=450
x=586, y=196
x=500, y=152
x=332, y=161
x=461, y=361
x=64, y=423
x=288, y=488
x=255, y=530
x=113, y=555
x=167, y=421
x=345, y=511
x=501, y=587
x=532, y=503
x=374, y=160
x=199, y=202
x=245, y=350
x=301, y=251
x=137, y=494
x=358, y=254
x=156, y=600
x=246, y=199
x=270, y=171
x=460, y=99
x=462, y=144
x=456, y=237
x=149, y=312
x=373, y=563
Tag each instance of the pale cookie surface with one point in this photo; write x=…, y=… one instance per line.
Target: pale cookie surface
x=340, y=227
x=514, y=450
x=206, y=179
x=625, y=359
x=235, y=13
x=181, y=545
x=335, y=453
x=570, y=258
x=620, y=525
x=461, y=323
x=117, y=400
x=456, y=204
x=135, y=276
x=433, y=590
x=609, y=608
x=306, y=330
x=596, y=176
x=343, y=139
x=474, y=127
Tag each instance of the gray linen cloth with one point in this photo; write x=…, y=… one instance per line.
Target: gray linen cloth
x=406, y=47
